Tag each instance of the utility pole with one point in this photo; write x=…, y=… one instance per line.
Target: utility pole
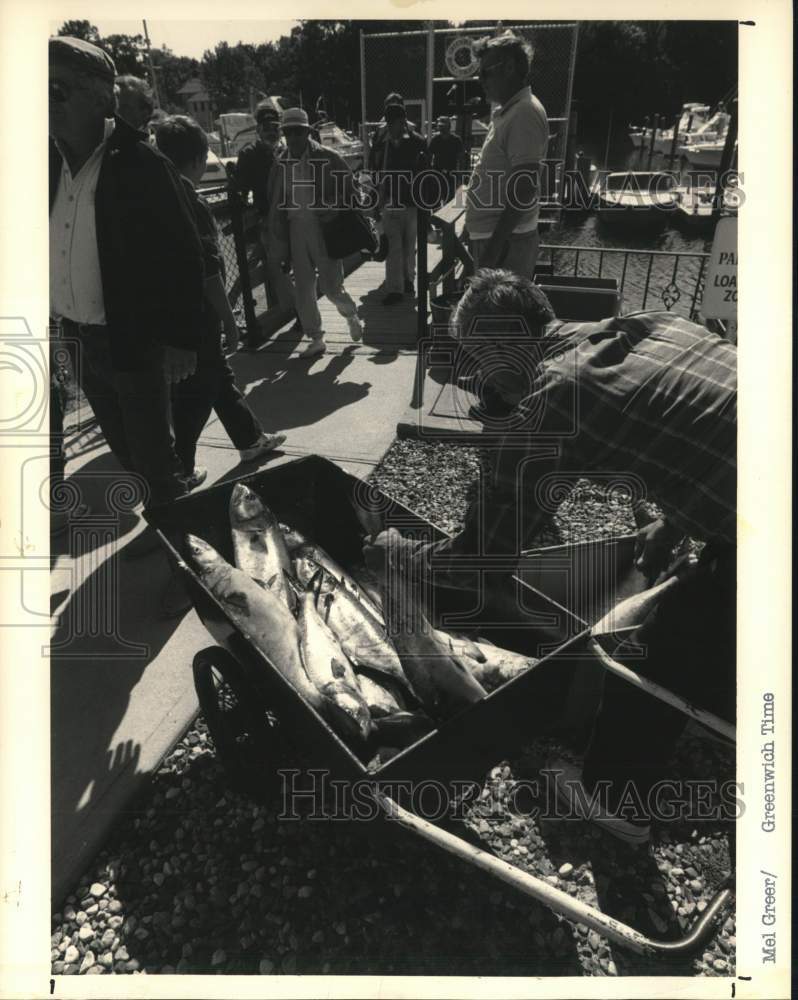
x=430, y=74
x=155, y=94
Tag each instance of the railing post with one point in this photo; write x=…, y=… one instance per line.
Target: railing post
x=236, y=210
x=422, y=271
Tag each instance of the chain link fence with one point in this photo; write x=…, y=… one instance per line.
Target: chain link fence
x=397, y=61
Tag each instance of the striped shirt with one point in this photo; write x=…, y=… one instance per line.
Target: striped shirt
x=645, y=403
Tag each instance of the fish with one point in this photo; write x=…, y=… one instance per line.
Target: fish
x=307, y=559
x=461, y=645
x=260, y=614
x=443, y=683
x=293, y=538
x=498, y=665
x=258, y=543
x=360, y=635
x=329, y=669
x=381, y=696
x=402, y=729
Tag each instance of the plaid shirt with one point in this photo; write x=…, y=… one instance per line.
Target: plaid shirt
x=646, y=403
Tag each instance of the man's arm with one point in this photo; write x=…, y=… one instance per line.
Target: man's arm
x=522, y=190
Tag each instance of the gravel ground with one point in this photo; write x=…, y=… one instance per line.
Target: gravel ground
x=200, y=878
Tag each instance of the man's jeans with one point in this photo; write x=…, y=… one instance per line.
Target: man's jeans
x=133, y=411
x=400, y=225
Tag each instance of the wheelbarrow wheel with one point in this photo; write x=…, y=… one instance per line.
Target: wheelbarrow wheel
x=244, y=733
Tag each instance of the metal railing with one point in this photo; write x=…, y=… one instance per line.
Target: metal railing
x=647, y=279
x=238, y=238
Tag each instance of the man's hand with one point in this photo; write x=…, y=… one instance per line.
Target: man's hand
x=232, y=335
x=653, y=547
x=178, y=364
x=491, y=254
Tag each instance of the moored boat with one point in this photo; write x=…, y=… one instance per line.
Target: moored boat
x=636, y=197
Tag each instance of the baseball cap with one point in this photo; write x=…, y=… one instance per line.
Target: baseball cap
x=295, y=117
x=80, y=56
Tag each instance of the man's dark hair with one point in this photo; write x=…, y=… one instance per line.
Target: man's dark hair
x=495, y=294
x=393, y=98
x=181, y=139
x=267, y=114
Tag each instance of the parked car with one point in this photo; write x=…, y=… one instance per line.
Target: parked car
x=215, y=172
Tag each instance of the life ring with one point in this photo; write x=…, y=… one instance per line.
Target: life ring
x=461, y=60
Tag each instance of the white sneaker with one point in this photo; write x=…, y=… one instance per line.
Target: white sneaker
x=264, y=444
x=355, y=328
x=315, y=348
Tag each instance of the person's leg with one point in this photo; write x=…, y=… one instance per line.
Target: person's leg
x=522, y=254
x=331, y=279
x=394, y=262
x=691, y=650
x=145, y=405
x=240, y=423
x=409, y=236
x=192, y=402
x=96, y=377
x=305, y=278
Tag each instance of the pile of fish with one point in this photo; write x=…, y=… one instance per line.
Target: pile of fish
x=368, y=661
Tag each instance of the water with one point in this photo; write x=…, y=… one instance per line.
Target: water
x=647, y=282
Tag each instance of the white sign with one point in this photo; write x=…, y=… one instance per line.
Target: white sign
x=460, y=58
x=720, y=290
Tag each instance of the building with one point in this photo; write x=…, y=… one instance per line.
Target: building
x=198, y=102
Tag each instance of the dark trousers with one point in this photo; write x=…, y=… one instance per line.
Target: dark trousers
x=211, y=387
x=690, y=649
x=133, y=411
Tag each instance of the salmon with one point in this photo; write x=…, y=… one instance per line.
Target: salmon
x=329, y=669
x=403, y=729
x=497, y=665
x=379, y=697
x=306, y=561
x=443, y=683
x=260, y=614
x=258, y=543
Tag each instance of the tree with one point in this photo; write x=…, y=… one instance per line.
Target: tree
x=80, y=29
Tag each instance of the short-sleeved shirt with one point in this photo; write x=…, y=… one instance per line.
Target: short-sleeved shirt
x=518, y=134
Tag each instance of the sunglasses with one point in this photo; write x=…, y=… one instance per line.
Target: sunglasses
x=489, y=70
x=295, y=130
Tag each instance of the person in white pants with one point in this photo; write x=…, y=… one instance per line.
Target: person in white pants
x=312, y=179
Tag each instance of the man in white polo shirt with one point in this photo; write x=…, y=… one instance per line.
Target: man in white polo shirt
x=503, y=193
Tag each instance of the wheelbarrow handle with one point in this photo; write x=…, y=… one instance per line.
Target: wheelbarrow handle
x=557, y=900
x=708, y=719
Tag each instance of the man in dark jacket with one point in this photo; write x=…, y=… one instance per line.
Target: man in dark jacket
x=126, y=276
x=251, y=173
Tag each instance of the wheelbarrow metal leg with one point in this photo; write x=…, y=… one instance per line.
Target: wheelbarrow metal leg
x=557, y=900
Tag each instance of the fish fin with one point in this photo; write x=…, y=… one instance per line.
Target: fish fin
x=266, y=584
x=314, y=585
x=293, y=584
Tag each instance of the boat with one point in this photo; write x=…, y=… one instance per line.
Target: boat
x=693, y=117
x=346, y=145
x=635, y=197
x=706, y=154
x=694, y=207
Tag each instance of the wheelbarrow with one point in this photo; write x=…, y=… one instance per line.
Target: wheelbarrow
x=248, y=703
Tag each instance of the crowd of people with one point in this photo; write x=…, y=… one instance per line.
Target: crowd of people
x=137, y=283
